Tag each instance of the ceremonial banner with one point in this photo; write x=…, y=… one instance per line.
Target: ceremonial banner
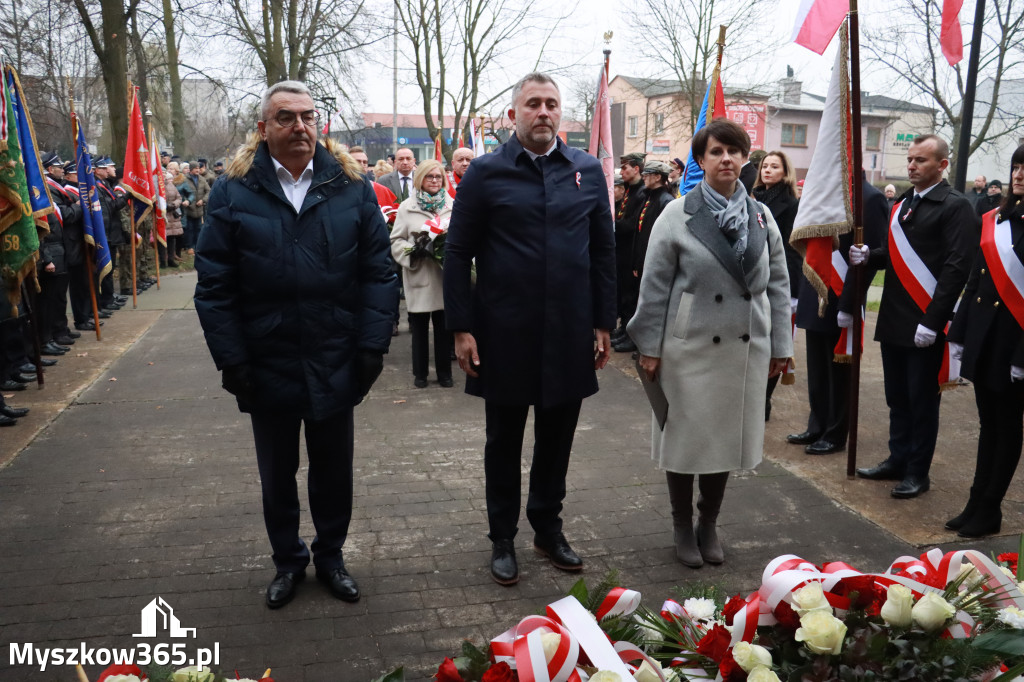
x=817, y=21
x=825, y=210
x=950, y=37
x=92, y=215
x=19, y=241
x=709, y=110
x=38, y=192
x=138, y=179
x=601, y=135
x=156, y=174
x=438, y=156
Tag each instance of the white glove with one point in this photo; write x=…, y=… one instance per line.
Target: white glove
x=1016, y=373
x=924, y=336
x=957, y=350
x=793, y=303
x=859, y=254
x=844, y=320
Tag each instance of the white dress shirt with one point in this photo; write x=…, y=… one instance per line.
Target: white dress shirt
x=294, y=189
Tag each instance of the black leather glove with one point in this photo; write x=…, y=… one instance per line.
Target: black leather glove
x=237, y=381
x=368, y=366
x=421, y=248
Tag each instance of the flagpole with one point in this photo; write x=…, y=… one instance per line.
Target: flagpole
x=963, y=146
x=90, y=249
x=131, y=203
x=716, y=75
x=857, y=184
x=153, y=233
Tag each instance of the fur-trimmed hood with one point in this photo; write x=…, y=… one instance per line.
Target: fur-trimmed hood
x=242, y=160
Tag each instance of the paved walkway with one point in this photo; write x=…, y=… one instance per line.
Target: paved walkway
x=147, y=486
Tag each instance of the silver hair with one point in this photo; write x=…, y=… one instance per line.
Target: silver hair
x=535, y=77
x=293, y=87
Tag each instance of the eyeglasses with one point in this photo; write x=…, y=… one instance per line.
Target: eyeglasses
x=286, y=119
x=434, y=177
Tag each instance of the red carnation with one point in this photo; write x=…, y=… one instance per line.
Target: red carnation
x=499, y=672
x=786, y=616
x=447, y=672
x=118, y=669
x=1010, y=558
x=715, y=644
x=730, y=669
x=732, y=607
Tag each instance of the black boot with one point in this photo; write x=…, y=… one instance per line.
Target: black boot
x=712, y=491
x=680, y=494
x=987, y=519
x=958, y=521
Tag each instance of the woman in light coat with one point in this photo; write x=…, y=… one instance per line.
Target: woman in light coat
x=426, y=211
x=174, y=231
x=712, y=324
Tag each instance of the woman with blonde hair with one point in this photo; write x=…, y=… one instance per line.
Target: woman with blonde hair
x=775, y=187
x=416, y=239
x=381, y=169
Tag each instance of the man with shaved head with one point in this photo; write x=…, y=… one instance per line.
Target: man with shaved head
x=461, y=159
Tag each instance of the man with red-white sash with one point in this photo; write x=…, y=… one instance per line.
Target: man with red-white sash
x=988, y=331
x=931, y=244
x=461, y=158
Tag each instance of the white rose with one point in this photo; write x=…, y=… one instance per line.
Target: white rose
x=699, y=608
x=192, y=674
x=749, y=656
x=550, y=642
x=122, y=678
x=1007, y=572
x=762, y=674
x=822, y=632
x=810, y=598
x=1012, y=616
x=932, y=611
x=648, y=673
x=898, y=604
x=605, y=676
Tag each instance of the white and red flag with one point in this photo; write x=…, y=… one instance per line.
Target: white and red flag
x=825, y=210
x=817, y=22
x=601, y=135
x=156, y=173
x=950, y=37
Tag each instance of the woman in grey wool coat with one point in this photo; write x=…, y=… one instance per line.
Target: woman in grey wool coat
x=712, y=324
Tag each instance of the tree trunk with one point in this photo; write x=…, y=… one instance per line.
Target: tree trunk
x=177, y=110
x=114, y=61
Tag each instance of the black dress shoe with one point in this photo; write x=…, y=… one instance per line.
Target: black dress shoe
x=282, y=588
x=52, y=349
x=105, y=314
x=47, y=362
x=911, y=486
x=64, y=341
x=805, y=438
x=342, y=585
x=626, y=345
x=24, y=378
x=12, y=386
x=73, y=334
x=13, y=412
x=27, y=368
x=120, y=299
x=823, y=447
x=419, y=383
x=557, y=549
x=504, y=569
x=446, y=382
x=984, y=521
x=883, y=471
x=7, y=421
x=86, y=326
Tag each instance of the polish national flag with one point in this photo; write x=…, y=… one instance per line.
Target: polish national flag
x=950, y=37
x=817, y=22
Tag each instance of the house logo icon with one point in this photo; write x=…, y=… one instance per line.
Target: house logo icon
x=158, y=616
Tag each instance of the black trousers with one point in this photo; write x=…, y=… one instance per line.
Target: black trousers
x=418, y=323
x=828, y=388
x=78, y=290
x=52, y=301
x=912, y=394
x=329, y=449
x=554, y=429
x=1001, y=414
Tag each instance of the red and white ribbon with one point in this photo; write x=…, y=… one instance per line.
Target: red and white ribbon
x=618, y=602
x=1003, y=263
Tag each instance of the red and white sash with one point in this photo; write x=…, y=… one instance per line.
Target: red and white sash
x=843, y=352
x=920, y=283
x=453, y=184
x=56, y=186
x=1003, y=263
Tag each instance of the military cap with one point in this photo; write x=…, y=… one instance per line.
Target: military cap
x=165, y=153
x=51, y=159
x=202, y=161
x=70, y=167
x=219, y=164
x=636, y=157
x=656, y=167
x=105, y=162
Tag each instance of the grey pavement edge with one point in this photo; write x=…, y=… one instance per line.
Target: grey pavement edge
x=147, y=487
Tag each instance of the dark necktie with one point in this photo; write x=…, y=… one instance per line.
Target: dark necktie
x=541, y=161
x=913, y=205
x=405, y=187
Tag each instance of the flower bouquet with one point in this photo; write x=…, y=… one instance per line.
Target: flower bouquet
x=133, y=673
x=428, y=241
x=944, y=617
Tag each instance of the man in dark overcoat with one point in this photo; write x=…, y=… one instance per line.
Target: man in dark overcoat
x=535, y=216
x=296, y=298
x=941, y=230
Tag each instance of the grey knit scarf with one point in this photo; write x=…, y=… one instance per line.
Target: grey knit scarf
x=731, y=215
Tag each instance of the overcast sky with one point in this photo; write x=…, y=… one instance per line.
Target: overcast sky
x=583, y=42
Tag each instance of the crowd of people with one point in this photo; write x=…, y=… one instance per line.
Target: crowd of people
x=64, y=267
